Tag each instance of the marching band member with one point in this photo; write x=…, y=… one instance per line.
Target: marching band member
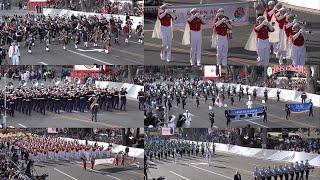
x=14, y=53
x=192, y=33
x=298, y=51
x=281, y=19
x=221, y=27
x=260, y=41
x=163, y=30
x=290, y=21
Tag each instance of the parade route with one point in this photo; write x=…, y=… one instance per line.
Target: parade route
x=275, y=114
x=73, y=171
x=117, y=118
x=236, y=55
x=128, y=54
x=130, y=118
x=223, y=167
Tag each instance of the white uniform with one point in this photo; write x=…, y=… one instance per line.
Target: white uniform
x=188, y=119
x=263, y=51
x=171, y=122
x=222, y=50
x=196, y=42
x=14, y=54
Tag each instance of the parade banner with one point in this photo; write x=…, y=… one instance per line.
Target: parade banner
x=132, y=89
x=236, y=112
x=237, y=12
x=298, y=107
x=167, y=131
x=104, y=161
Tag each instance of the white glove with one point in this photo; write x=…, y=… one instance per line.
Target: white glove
x=294, y=21
x=197, y=15
x=167, y=11
x=265, y=22
x=286, y=14
x=301, y=31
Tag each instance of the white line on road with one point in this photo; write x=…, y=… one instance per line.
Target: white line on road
x=179, y=175
x=99, y=172
x=43, y=63
x=212, y=172
x=22, y=125
x=65, y=174
x=254, y=164
x=83, y=55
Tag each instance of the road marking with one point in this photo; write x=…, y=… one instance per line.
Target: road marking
x=251, y=122
x=212, y=172
x=59, y=116
x=22, y=125
x=65, y=174
x=179, y=175
x=89, y=57
x=230, y=58
x=90, y=50
x=93, y=170
x=43, y=63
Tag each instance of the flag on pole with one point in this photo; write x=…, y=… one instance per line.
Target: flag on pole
x=218, y=101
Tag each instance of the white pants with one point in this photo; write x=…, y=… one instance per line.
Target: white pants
x=299, y=55
x=166, y=33
x=196, y=41
x=281, y=46
x=15, y=60
x=263, y=51
x=187, y=124
x=222, y=50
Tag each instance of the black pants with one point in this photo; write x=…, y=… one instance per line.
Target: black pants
x=307, y=174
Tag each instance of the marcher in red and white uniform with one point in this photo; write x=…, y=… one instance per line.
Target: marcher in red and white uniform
x=166, y=16
x=270, y=10
x=194, y=22
x=290, y=21
x=221, y=27
x=299, y=54
x=269, y=14
x=281, y=20
x=262, y=29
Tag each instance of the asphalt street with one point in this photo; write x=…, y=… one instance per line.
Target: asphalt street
x=122, y=54
x=67, y=170
x=275, y=113
x=237, y=55
x=132, y=117
x=223, y=167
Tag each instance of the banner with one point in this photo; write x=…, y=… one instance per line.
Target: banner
x=237, y=12
x=104, y=161
x=238, y=112
x=167, y=131
x=298, y=107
